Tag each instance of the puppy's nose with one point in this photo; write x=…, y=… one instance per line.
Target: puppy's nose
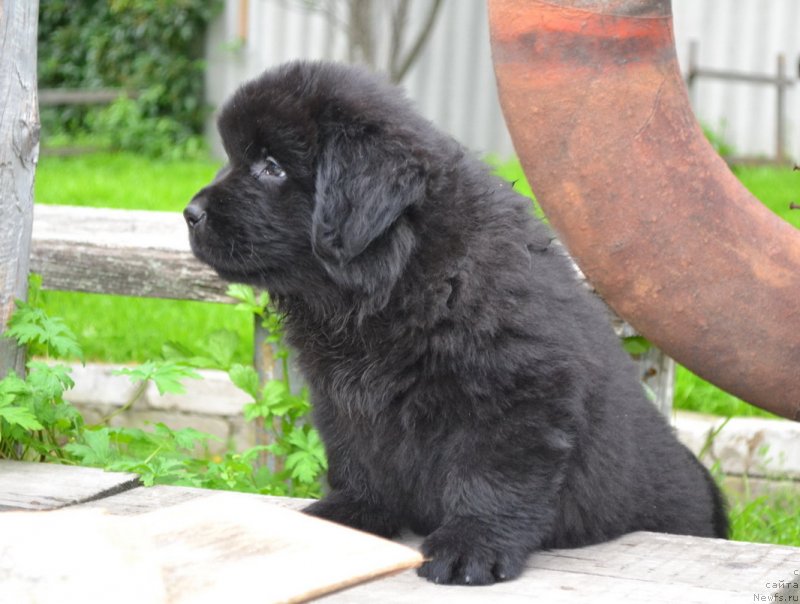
x=195, y=212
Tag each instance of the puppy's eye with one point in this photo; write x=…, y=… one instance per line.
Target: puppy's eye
x=273, y=168
x=268, y=168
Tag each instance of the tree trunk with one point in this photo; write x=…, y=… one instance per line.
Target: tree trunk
x=19, y=152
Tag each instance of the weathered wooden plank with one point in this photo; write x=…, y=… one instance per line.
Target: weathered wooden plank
x=123, y=252
x=38, y=486
x=203, y=550
x=74, y=96
x=19, y=152
x=639, y=567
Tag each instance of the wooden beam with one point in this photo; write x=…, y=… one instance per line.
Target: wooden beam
x=243, y=25
x=19, y=152
x=40, y=486
x=122, y=252
x=637, y=567
x=70, y=96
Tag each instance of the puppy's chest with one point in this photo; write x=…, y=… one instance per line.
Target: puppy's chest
x=358, y=379
x=403, y=460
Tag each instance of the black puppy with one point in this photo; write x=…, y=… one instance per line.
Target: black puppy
x=465, y=385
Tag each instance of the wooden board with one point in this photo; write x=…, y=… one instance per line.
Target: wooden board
x=38, y=486
x=640, y=567
x=123, y=252
x=203, y=550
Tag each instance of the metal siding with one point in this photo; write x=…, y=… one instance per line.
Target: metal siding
x=453, y=82
x=746, y=36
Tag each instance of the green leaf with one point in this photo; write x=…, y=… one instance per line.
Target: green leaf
x=166, y=375
x=12, y=388
x=245, y=378
x=221, y=346
x=19, y=416
x=248, y=301
x=635, y=345
x=187, y=438
x=303, y=466
x=49, y=381
x=95, y=450
x=255, y=410
x=276, y=397
x=308, y=461
x=29, y=325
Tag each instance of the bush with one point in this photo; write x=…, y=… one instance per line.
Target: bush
x=152, y=47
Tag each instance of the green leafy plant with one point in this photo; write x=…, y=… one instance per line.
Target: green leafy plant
x=151, y=47
x=34, y=418
x=298, y=456
x=37, y=424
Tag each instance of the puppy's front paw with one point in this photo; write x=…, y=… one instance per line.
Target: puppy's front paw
x=340, y=508
x=466, y=554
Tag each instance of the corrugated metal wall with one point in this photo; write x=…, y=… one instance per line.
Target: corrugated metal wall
x=453, y=83
x=743, y=35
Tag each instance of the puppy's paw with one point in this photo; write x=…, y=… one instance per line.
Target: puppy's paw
x=340, y=508
x=462, y=554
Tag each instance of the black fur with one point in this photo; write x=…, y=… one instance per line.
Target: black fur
x=464, y=383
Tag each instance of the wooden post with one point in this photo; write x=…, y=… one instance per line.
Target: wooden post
x=780, y=94
x=656, y=371
x=691, y=73
x=270, y=366
x=19, y=152
x=265, y=365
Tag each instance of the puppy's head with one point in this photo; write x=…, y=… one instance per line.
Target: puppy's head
x=326, y=163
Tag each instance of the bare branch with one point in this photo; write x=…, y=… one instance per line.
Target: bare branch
x=361, y=32
x=399, y=23
x=398, y=74
x=326, y=9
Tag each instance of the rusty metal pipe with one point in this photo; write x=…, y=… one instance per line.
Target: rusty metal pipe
x=600, y=118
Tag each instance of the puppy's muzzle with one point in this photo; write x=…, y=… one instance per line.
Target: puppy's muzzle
x=195, y=212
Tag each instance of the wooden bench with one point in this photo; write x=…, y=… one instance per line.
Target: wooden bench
x=639, y=567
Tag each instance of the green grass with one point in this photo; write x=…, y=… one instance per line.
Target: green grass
x=119, y=329
x=772, y=518
x=775, y=187
x=120, y=180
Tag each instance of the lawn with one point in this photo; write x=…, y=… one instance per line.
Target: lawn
x=113, y=328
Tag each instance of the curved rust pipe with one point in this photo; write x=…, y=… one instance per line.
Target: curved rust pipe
x=600, y=118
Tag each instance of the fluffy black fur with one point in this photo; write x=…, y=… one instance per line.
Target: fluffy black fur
x=465, y=385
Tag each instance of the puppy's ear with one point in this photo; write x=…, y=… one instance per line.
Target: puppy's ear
x=364, y=183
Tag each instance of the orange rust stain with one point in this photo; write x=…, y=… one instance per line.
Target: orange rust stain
x=511, y=21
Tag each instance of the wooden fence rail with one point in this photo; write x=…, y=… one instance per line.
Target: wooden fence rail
x=780, y=81
x=120, y=252
x=49, y=97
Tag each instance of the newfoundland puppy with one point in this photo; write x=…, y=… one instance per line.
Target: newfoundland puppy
x=464, y=383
